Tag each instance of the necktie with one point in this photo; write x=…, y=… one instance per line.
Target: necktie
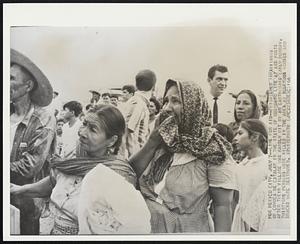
x=215, y=111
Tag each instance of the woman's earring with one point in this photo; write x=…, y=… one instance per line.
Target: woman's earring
x=109, y=151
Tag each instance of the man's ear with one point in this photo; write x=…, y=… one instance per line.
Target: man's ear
x=30, y=85
x=208, y=80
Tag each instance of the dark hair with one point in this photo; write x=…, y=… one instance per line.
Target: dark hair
x=255, y=113
x=112, y=121
x=257, y=126
x=60, y=120
x=74, y=106
x=145, y=80
x=87, y=107
x=225, y=131
x=156, y=103
x=105, y=94
x=129, y=88
x=114, y=95
x=217, y=67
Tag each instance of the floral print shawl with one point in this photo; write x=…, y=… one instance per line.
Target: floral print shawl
x=194, y=134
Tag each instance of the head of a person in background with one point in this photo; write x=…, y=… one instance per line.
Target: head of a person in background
x=128, y=92
x=225, y=131
x=81, y=116
x=55, y=94
x=87, y=107
x=246, y=106
x=71, y=110
x=145, y=80
x=95, y=96
x=106, y=98
x=59, y=125
x=252, y=134
x=264, y=100
x=217, y=78
x=114, y=100
x=154, y=107
x=102, y=131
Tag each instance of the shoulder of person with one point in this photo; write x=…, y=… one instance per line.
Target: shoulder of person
x=133, y=100
x=44, y=116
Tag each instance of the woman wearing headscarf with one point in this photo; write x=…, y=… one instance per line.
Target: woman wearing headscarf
x=72, y=183
x=184, y=165
x=246, y=107
x=252, y=174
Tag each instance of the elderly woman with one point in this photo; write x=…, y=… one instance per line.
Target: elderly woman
x=184, y=165
x=79, y=208
x=251, y=137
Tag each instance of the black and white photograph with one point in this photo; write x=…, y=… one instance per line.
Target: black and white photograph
x=149, y=122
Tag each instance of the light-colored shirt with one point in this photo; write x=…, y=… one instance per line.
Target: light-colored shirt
x=137, y=121
x=180, y=201
x=225, y=107
x=69, y=139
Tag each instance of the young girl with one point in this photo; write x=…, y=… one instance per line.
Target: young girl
x=251, y=137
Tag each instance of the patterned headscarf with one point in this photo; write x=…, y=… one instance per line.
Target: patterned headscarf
x=193, y=134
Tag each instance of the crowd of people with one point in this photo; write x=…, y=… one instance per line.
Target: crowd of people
x=136, y=163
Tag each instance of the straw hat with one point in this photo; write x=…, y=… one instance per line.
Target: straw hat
x=43, y=92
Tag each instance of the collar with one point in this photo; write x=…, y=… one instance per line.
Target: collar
x=144, y=94
x=247, y=161
x=182, y=158
x=27, y=117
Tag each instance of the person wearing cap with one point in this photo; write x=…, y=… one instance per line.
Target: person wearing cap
x=137, y=112
x=32, y=133
x=95, y=97
x=252, y=138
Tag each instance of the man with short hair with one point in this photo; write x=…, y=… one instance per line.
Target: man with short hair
x=59, y=131
x=137, y=112
x=114, y=100
x=32, y=134
x=221, y=104
x=128, y=92
x=70, y=115
x=105, y=98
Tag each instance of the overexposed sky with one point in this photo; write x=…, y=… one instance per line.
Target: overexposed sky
x=76, y=59
x=97, y=46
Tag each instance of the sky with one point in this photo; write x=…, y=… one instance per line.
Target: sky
x=77, y=59
x=104, y=46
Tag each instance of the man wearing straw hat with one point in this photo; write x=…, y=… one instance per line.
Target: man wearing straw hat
x=32, y=133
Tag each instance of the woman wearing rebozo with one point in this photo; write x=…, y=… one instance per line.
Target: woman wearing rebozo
x=89, y=191
x=184, y=165
x=252, y=174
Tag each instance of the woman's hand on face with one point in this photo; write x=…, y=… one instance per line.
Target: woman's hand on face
x=155, y=139
x=15, y=189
